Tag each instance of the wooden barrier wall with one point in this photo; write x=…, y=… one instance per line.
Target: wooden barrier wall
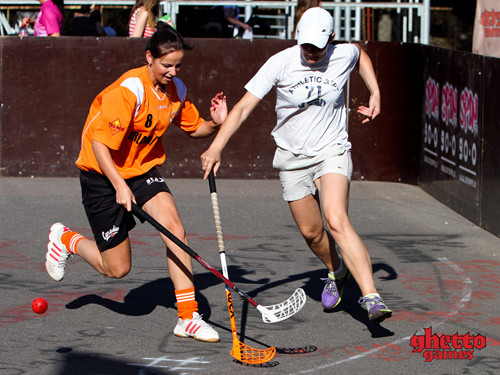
x=48, y=84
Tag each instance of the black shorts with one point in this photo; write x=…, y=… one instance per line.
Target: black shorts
x=110, y=221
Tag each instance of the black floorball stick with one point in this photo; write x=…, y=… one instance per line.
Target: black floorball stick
x=270, y=314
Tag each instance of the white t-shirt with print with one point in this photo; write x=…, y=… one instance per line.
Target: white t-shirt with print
x=310, y=104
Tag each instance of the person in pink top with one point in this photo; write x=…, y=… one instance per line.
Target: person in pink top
x=49, y=21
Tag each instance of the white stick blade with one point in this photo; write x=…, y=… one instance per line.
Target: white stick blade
x=267, y=315
x=284, y=310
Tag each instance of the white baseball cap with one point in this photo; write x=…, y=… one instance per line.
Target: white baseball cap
x=315, y=27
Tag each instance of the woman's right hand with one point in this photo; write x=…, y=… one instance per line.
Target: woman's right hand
x=125, y=197
x=210, y=159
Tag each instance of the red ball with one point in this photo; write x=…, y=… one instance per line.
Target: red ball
x=39, y=305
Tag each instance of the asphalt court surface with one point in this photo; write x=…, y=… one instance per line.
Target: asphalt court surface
x=438, y=272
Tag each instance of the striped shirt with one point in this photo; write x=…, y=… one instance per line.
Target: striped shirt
x=148, y=31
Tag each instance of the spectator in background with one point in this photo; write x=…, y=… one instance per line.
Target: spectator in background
x=87, y=22
x=302, y=6
x=224, y=22
x=50, y=19
x=241, y=29
x=143, y=18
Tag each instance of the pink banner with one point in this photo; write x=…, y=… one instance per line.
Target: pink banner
x=486, y=39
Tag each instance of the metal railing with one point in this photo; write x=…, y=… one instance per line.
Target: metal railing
x=412, y=16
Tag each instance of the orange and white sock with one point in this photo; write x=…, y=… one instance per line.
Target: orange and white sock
x=71, y=239
x=186, y=303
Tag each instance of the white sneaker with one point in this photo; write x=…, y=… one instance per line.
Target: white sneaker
x=196, y=328
x=57, y=254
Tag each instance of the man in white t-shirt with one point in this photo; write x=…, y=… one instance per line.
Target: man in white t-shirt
x=313, y=153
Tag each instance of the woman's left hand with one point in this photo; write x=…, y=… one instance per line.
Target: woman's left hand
x=372, y=111
x=218, y=108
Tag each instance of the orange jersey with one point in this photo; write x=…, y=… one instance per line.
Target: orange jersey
x=130, y=117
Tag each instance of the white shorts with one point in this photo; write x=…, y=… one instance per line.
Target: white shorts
x=298, y=172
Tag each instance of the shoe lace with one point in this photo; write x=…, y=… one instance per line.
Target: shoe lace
x=330, y=286
x=61, y=263
x=199, y=319
x=370, y=301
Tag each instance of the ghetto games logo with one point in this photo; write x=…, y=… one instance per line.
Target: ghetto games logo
x=446, y=346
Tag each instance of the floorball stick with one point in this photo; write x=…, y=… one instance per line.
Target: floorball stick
x=270, y=314
x=240, y=351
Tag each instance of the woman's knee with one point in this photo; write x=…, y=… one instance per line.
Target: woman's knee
x=117, y=262
x=177, y=229
x=337, y=221
x=117, y=272
x=312, y=234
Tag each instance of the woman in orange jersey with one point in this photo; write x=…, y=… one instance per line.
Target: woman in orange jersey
x=121, y=148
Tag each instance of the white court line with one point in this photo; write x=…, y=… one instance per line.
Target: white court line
x=466, y=295
x=158, y=363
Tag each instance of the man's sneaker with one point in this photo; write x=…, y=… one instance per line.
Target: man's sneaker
x=57, y=254
x=377, y=310
x=333, y=290
x=196, y=328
